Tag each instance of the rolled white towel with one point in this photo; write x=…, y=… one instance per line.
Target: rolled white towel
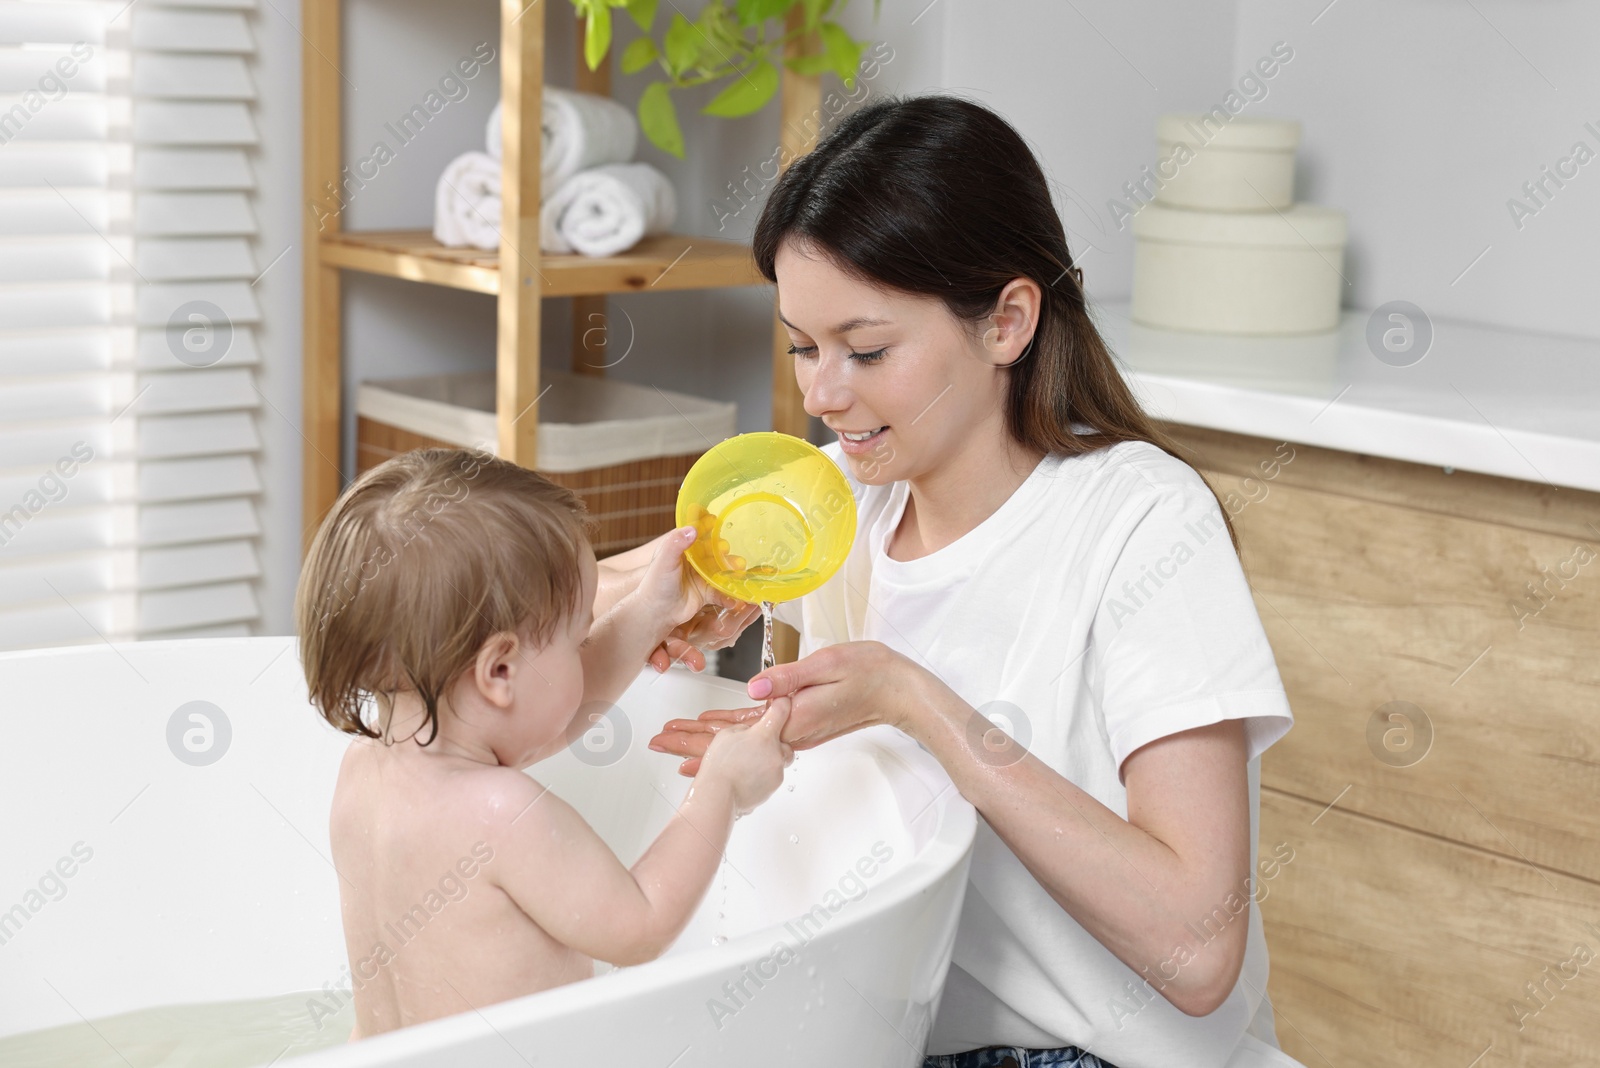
x=579, y=130
x=605, y=210
x=466, y=202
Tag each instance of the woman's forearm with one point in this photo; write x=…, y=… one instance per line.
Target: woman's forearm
x=1128, y=889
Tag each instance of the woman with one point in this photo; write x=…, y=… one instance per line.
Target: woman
x=1040, y=593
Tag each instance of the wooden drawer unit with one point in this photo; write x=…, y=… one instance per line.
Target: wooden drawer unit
x=1439, y=638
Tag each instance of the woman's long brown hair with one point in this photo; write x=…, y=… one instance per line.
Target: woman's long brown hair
x=941, y=197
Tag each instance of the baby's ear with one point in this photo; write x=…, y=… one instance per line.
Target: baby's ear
x=496, y=665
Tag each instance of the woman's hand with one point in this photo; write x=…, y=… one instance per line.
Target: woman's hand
x=836, y=690
x=669, y=591
x=699, y=616
x=716, y=626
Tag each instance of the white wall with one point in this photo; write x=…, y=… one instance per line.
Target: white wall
x=1083, y=83
x=1421, y=119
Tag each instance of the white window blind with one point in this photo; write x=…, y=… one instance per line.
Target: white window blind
x=128, y=402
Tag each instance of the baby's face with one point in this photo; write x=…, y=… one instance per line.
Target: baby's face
x=548, y=695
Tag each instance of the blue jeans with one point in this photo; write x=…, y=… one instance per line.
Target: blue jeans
x=1016, y=1057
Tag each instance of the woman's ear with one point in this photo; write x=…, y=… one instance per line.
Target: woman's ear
x=495, y=668
x=1013, y=322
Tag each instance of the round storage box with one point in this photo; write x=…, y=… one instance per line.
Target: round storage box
x=1240, y=165
x=1238, y=272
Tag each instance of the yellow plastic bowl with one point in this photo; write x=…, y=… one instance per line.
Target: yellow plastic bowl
x=775, y=516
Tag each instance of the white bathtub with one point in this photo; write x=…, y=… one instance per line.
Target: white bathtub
x=131, y=878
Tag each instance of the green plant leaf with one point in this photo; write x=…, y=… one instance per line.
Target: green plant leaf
x=719, y=27
x=597, y=35
x=813, y=64
x=643, y=13
x=844, y=54
x=747, y=93
x=658, y=118
x=639, y=55
x=708, y=28
x=682, y=44
x=755, y=12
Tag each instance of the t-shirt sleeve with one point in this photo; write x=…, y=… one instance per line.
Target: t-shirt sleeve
x=1176, y=641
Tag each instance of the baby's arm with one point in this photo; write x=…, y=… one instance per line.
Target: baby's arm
x=638, y=622
x=562, y=874
x=619, y=643
x=566, y=879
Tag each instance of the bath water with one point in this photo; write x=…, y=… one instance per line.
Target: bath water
x=719, y=937
x=224, y=1034
x=767, y=657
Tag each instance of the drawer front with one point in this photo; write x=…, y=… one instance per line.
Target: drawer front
x=1431, y=687
x=1390, y=947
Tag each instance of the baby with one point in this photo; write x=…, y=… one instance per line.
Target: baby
x=456, y=592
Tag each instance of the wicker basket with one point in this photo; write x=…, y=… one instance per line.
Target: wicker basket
x=623, y=448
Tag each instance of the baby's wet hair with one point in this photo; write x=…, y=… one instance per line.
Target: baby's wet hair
x=420, y=561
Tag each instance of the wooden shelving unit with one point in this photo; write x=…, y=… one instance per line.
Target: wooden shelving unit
x=669, y=261
x=519, y=275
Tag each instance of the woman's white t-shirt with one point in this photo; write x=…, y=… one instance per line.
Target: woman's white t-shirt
x=1099, y=608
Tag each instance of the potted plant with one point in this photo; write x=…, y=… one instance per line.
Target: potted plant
x=739, y=43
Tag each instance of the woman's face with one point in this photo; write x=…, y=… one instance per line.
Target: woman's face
x=899, y=365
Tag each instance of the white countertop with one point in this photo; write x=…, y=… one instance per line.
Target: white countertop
x=1501, y=402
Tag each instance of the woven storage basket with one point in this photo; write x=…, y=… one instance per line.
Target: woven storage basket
x=623, y=448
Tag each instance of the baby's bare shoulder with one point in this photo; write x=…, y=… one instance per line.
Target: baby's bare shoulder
x=508, y=800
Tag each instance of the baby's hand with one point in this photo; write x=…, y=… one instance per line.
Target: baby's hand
x=750, y=757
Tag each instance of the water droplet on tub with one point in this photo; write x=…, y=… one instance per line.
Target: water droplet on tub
x=717, y=940
x=811, y=970
x=795, y=839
